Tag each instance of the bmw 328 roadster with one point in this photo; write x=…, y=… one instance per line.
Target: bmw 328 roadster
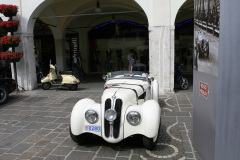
x=129, y=106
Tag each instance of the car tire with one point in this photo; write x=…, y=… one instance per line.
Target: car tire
x=80, y=139
x=184, y=83
x=151, y=143
x=46, y=85
x=73, y=87
x=208, y=50
x=3, y=94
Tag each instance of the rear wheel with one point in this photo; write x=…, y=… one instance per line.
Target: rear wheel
x=3, y=94
x=184, y=83
x=73, y=87
x=46, y=85
x=150, y=143
x=208, y=50
x=80, y=139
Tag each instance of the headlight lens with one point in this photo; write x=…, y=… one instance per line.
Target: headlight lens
x=110, y=115
x=134, y=118
x=91, y=116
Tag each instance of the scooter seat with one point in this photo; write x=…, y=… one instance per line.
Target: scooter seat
x=66, y=72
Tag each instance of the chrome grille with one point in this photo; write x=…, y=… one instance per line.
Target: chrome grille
x=113, y=129
x=118, y=109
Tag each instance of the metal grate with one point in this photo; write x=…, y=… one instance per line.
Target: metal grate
x=106, y=123
x=116, y=127
x=35, y=99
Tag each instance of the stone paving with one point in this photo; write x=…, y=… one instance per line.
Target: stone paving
x=35, y=125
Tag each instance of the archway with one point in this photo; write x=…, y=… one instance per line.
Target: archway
x=44, y=48
x=184, y=35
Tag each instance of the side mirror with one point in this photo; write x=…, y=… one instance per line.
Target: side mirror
x=104, y=77
x=151, y=79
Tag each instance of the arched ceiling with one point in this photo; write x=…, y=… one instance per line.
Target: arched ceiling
x=64, y=8
x=185, y=12
x=58, y=13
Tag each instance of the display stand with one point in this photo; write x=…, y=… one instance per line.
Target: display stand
x=10, y=11
x=14, y=62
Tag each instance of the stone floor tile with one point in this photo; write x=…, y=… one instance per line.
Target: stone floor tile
x=20, y=148
x=74, y=155
x=62, y=151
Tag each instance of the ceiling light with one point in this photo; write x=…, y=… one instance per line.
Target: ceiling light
x=98, y=9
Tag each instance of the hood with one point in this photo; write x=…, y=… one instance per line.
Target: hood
x=126, y=92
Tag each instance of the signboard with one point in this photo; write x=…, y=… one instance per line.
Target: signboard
x=206, y=46
x=206, y=33
x=71, y=48
x=204, y=89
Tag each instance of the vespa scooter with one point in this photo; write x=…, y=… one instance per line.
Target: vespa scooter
x=68, y=79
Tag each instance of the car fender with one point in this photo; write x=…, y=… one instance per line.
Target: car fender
x=78, y=122
x=150, y=112
x=155, y=90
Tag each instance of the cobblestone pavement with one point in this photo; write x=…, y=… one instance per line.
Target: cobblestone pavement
x=34, y=125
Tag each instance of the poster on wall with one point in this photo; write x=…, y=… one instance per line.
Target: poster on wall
x=71, y=48
x=206, y=33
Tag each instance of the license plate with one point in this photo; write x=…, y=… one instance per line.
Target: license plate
x=92, y=128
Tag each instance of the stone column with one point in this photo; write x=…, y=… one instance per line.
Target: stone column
x=172, y=57
x=161, y=59
x=60, y=54
x=26, y=69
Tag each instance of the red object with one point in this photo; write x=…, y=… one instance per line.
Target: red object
x=8, y=40
x=11, y=55
x=8, y=24
x=8, y=10
x=204, y=89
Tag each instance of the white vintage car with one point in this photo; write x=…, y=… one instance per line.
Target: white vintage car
x=129, y=106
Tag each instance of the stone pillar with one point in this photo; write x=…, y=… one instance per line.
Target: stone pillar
x=161, y=58
x=26, y=69
x=60, y=54
x=172, y=57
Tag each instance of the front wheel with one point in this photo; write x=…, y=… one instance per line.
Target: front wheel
x=73, y=87
x=150, y=143
x=46, y=85
x=184, y=83
x=3, y=94
x=80, y=139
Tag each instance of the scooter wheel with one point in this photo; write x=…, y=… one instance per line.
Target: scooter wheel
x=73, y=87
x=46, y=86
x=184, y=83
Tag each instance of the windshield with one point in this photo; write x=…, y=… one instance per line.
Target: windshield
x=127, y=75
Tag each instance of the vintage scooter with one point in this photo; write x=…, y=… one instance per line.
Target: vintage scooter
x=68, y=79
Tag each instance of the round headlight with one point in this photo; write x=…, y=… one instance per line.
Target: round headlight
x=91, y=116
x=133, y=118
x=110, y=115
